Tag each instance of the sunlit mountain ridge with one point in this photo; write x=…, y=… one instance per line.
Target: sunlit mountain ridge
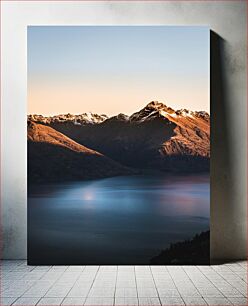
x=155, y=138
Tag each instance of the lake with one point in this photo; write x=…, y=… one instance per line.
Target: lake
x=119, y=220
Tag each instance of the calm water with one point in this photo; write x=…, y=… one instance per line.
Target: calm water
x=120, y=220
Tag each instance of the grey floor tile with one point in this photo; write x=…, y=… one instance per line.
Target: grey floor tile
x=73, y=301
x=99, y=301
x=167, y=292
x=85, y=279
x=15, y=275
x=149, y=301
x=104, y=283
x=23, y=268
x=102, y=292
x=42, y=268
x=145, y=283
x=126, y=292
x=166, y=301
x=33, y=276
x=147, y=292
x=79, y=290
x=108, y=269
x=129, y=284
x=230, y=292
x=91, y=269
x=157, y=268
x=106, y=275
x=239, y=301
x=125, y=269
x=126, y=301
x=7, y=301
x=26, y=301
x=75, y=269
x=13, y=292
x=192, y=292
x=162, y=276
x=58, y=268
x=38, y=290
x=210, y=292
x=125, y=283
x=71, y=275
x=217, y=301
x=126, y=274
x=58, y=291
x=51, y=276
x=194, y=301
x=50, y=301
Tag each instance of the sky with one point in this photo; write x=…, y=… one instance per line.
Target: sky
x=117, y=69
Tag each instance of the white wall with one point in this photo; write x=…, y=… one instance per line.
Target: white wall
x=229, y=141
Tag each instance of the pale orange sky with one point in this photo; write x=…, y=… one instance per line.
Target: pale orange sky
x=113, y=69
x=59, y=99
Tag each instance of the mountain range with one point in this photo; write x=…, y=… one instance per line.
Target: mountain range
x=156, y=138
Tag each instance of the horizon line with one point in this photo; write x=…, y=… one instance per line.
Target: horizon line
x=109, y=116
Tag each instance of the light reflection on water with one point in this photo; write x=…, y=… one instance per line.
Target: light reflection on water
x=120, y=220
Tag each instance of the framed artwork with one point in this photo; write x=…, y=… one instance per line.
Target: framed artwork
x=118, y=135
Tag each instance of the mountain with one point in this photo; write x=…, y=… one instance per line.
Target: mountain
x=156, y=109
x=82, y=119
x=156, y=137
x=53, y=156
x=191, y=133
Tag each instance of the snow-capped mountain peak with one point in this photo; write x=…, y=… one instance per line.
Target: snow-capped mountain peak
x=185, y=113
x=152, y=110
x=81, y=119
x=157, y=109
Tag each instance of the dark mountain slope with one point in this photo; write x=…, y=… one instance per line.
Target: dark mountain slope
x=156, y=137
x=54, y=157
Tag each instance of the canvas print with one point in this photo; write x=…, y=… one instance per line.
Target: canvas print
x=118, y=140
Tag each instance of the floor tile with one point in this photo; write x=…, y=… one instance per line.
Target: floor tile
x=230, y=292
x=239, y=301
x=41, y=268
x=73, y=301
x=7, y=301
x=210, y=292
x=164, y=292
x=126, y=292
x=108, y=269
x=217, y=301
x=104, y=283
x=145, y=283
x=126, y=301
x=102, y=292
x=75, y=269
x=124, y=285
x=26, y=301
x=80, y=290
x=58, y=268
x=125, y=269
x=58, y=291
x=166, y=301
x=189, y=292
x=149, y=301
x=50, y=301
x=147, y=292
x=38, y=290
x=194, y=301
x=99, y=301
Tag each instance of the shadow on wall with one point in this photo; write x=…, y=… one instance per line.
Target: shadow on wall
x=223, y=226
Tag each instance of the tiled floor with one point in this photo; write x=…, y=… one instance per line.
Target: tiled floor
x=123, y=285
